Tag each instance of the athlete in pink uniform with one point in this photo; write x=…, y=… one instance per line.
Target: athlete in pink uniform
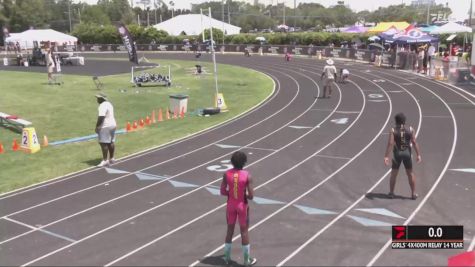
x=236, y=182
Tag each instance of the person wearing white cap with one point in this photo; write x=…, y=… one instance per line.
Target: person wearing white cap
x=105, y=129
x=329, y=71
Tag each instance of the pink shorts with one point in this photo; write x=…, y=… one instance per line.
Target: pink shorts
x=239, y=210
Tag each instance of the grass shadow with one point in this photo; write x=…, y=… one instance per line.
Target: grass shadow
x=93, y=162
x=11, y=128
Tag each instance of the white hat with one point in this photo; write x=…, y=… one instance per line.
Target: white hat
x=329, y=61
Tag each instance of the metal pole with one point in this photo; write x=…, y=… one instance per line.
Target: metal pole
x=222, y=16
x=69, y=14
x=202, y=28
x=428, y=11
x=229, y=14
x=295, y=13
x=214, y=57
x=283, y=4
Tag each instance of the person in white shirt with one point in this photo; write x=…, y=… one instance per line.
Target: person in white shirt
x=344, y=75
x=105, y=129
x=50, y=64
x=329, y=72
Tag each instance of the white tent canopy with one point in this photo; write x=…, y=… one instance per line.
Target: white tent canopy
x=190, y=24
x=451, y=27
x=26, y=38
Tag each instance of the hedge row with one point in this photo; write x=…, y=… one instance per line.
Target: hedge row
x=94, y=34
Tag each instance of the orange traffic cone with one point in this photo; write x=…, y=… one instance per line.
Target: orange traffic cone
x=168, y=114
x=45, y=141
x=1, y=149
x=182, y=113
x=128, y=128
x=15, y=146
x=141, y=123
x=175, y=114
x=153, y=117
x=148, y=121
x=160, y=117
x=135, y=126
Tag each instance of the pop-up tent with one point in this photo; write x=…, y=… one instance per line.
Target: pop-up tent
x=384, y=26
x=451, y=27
x=26, y=38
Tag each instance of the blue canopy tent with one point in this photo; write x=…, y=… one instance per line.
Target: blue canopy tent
x=412, y=36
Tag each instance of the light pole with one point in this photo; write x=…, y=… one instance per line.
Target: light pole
x=69, y=15
x=428, y=11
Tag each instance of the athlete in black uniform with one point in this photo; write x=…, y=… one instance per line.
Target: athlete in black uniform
x=401, y=140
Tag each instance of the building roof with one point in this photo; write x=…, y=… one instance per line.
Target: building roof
x=193, y=24
x=451, y=27
x=384, y=26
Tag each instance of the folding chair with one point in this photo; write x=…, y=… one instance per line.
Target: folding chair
x=97, y=82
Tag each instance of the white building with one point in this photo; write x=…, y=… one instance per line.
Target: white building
x=193, y=24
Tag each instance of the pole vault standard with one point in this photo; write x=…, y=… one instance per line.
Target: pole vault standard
x=214, y=58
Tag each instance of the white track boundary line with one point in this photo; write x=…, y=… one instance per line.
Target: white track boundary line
x=65, y=177
x=190, y=192
x=434, y=186
x=336, y=219
x=321, y=182
x=472, y=244
x=146, y=187
x=148, y=167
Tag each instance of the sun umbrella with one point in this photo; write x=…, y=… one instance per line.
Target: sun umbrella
x=261, y=38
x=377, y=45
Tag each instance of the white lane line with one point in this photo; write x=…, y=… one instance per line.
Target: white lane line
x=295, y=252
x=194, y=190
x=437, y=117
x=40, y=230
x=347, y=112
x=258, y=148
x=472, y=244
x=320, y=109
x=256, y=188
x=152, y=166
x=332, y=157
x=320, y=183
x=434, y=186
x=243, y=114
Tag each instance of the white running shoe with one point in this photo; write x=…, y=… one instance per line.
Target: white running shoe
x=112, y=161
x=251, y=262
x=103, y=163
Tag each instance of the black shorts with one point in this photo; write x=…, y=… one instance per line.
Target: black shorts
x=404, y=156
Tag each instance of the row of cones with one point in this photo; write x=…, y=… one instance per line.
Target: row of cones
x=151, y=119
x=16, y=146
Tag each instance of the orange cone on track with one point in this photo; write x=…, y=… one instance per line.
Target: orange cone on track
x=135, y=126
x=1, y=149
x=160, y=117
x=168, y=114
x=141, y=123
x=182, y=113
x=128, y=128
x=15, y=146
x=45, y=141
x=153, y=117
x=148, y=121
x=175, y=114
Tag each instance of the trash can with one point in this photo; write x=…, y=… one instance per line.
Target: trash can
x=319, y=54
x=5, y=61
x=178, y=103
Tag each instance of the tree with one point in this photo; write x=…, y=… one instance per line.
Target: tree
x=96, y=15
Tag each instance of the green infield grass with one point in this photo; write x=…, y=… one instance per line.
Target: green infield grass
x=70, y=111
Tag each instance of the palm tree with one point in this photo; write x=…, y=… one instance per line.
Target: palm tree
x=172, y=4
